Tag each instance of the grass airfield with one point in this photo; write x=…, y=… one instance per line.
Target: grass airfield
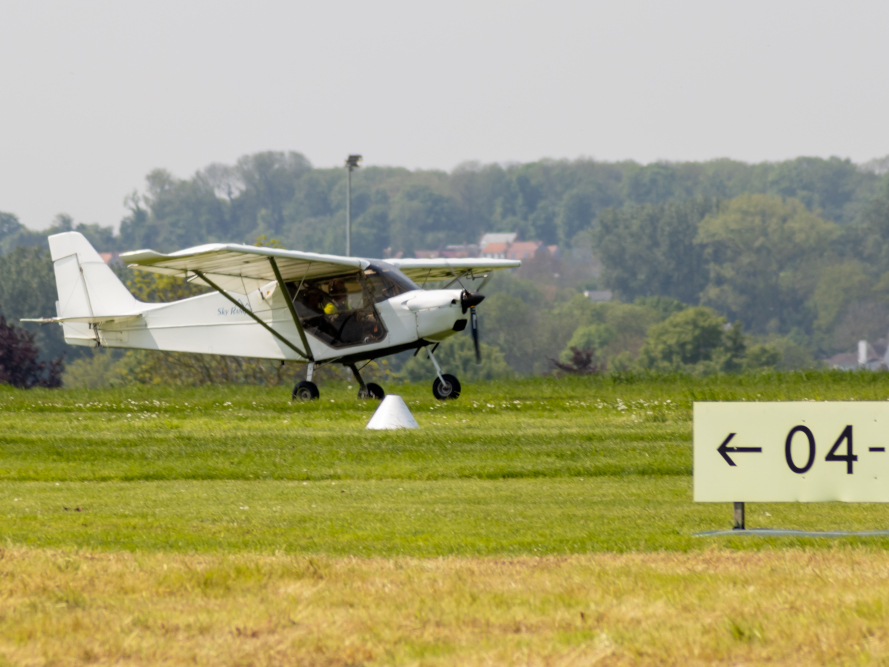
x=529, y=522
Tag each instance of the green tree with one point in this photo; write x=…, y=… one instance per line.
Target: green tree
x=423, y=218
x=575, y=214
x=764, y=255
x=28, y=290
x=612, y=330
x=370, y=233
x=506, y=322
x=13, y=234
x=650, y=184
x=838, y=286
x=692, y=341
x=592, y=337
x=873, y=243
x=19, y=362
x=651, y=251
x=97, y=370
x=9, y=224
x=664, y=306
x=270, y=183
x=827, y=186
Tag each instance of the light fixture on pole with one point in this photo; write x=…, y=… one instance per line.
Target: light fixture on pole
x=351, y=163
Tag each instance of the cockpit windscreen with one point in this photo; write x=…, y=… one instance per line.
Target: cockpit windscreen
x=387, y=281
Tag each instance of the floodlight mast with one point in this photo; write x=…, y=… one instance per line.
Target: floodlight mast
x=351, y=163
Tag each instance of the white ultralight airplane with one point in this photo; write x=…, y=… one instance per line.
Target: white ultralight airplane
x=272, y=304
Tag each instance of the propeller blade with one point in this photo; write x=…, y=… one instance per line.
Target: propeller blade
x=473, y=325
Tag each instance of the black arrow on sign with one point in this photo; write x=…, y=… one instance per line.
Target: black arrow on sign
x=725, y=450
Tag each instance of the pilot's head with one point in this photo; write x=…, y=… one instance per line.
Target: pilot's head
x=337, y=288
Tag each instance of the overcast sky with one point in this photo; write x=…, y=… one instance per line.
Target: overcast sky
x=94, y=95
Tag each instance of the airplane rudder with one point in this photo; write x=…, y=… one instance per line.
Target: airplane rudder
x=87, y=286
x=72, y=243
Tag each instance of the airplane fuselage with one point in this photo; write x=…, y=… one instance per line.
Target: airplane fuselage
x=212, y=324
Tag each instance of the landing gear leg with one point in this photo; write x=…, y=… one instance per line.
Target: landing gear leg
x=369, y=390
x=445, y=387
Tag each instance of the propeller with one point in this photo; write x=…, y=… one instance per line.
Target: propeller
x=469, y=301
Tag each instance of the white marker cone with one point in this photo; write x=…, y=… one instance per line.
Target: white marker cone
x=393, y=413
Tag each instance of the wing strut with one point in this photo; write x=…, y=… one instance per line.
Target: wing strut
x=293, y=347
x=286, y=294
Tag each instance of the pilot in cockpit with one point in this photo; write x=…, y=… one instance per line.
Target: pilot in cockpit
x=338, y=303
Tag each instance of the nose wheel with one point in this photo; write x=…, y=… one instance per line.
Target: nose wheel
x=446, y=387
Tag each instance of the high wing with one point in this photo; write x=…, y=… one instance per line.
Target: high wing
x=433, y=270
x=241, y=268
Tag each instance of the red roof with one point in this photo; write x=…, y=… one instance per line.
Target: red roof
x=495, y=249
x=523, y=249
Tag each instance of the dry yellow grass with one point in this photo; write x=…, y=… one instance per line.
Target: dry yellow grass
x=715, y=607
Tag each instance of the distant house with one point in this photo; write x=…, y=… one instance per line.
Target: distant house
x=110, y=258
x=844, y=361
x=492, y=246
x=599, y=295
x=866, y=358
x=523, y=249
x=505, y=246
x=463, y=250
x=497, y=237
x=450, y=252
x=494, y=250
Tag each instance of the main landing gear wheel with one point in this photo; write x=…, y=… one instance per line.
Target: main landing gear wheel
x=371, y=390
x=449, y=389
x=305, y=391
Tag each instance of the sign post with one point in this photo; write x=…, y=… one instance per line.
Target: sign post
x=790, y=452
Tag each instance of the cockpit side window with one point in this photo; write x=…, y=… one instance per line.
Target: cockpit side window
x=339, y=310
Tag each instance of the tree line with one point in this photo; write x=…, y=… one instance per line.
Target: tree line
x=282, y=196
x=795, y=252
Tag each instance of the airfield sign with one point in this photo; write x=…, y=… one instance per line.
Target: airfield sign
x=791, y=452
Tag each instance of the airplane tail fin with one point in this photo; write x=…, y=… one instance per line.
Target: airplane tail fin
x=89, y=291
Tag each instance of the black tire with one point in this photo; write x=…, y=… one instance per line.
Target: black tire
x=447, y=390
x=305, y=391
x=371, y=390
